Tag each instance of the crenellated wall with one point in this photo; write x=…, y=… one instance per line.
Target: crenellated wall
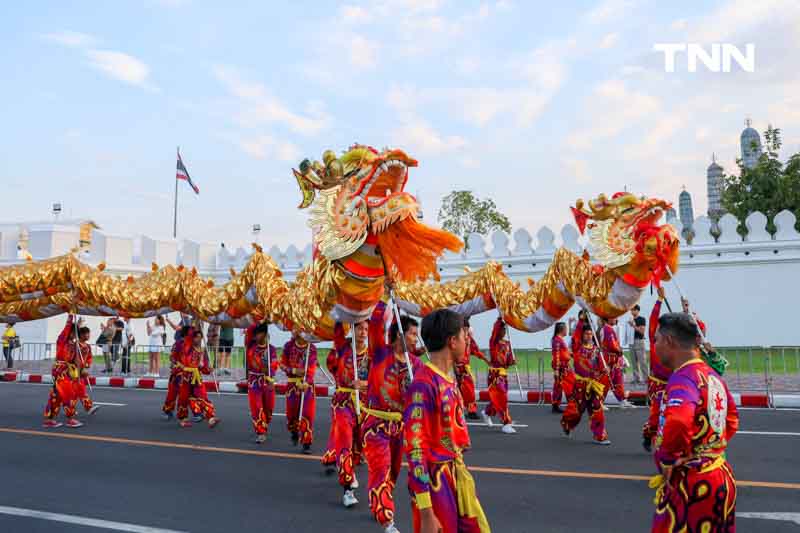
x=742, y=287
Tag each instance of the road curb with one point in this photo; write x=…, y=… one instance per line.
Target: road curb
x=514, y=396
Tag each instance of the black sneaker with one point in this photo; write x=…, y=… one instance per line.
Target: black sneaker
x=473, y=416
x=295, y=438
x=557, y=409
x=307, y=449
x=647, y=444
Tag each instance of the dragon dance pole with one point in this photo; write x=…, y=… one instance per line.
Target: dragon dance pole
x=355, y=370
x=596, y=340
x=691, y=314
x=396, y=313
x=305, y=377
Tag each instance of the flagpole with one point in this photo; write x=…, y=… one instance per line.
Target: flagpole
x=175, y=209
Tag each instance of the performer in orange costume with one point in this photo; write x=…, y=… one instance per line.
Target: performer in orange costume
x=68, y=369
x=563, y=377
x=589, y=391
x=502, y=359
x=615, y=359
x=301, y=384
x=464, y=376
x=346, y=425
x=696, y=489
x=193, y=362
x=262, y=363
x=382, y=429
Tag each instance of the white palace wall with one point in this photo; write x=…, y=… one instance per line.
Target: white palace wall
x=743, y=288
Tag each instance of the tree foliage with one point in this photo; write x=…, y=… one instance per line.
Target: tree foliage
x=769, y=187
x=462, y=213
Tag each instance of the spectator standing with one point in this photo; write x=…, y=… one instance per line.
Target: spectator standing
x=212, y=343
x=638, y=358
x=10, y=342
x=127, y=345
x=157, y=334
x=225, y=347
x=105, y=340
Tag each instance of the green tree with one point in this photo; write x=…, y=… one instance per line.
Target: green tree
x=770, y=187
x=462, y=213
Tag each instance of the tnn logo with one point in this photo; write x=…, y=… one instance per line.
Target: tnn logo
x=719, y=60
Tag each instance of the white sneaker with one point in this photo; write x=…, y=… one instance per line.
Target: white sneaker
x=486, y=419
x=354, y=484
x=93, y=410
x=604, y=442
x=508, y=429
x=605, y=407
x=349, y=499
x=625, y=404
x=390, y=528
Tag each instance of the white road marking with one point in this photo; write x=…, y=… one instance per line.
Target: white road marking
x=496, y=425
x=111, y=404
x=784, y=517
x=82, y=520
x=776, y=433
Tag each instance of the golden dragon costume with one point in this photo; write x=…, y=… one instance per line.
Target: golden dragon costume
x=363, y=225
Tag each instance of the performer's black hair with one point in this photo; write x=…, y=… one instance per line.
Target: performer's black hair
x=636, y=308
x=406, y=321
x=680, y=327
x=439, y=326
x=559, y=326
x=83, y=330
x=261, y=328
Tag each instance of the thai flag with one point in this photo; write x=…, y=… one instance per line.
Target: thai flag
x=183, y=174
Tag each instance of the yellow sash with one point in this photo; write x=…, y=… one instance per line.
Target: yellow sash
x=656, y=380
x=468, y=504
x=195, y=372
x=659, y=482
x=389, y=416
x=72, y=370
x=501, y=371
x=592, y=385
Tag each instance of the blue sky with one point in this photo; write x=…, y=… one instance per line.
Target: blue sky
x=532, y=103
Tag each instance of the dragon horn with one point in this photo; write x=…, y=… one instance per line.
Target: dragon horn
x=306, y=188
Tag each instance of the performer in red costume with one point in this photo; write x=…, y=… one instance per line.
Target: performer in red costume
x=502, y=358
x=301, y=385
x=329, y=457
x=657, y=380
x=615, y=359
x=174, y=382
x=262, y=364
x=696, y=489
x=70, y=365
x=563, y=377
x=346, y=426
x=443, y=496
x=464, y=376
x=84, y=361
x=193, y=362
x=589, y=390
x=382, y=429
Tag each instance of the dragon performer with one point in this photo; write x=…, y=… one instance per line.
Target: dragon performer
x=366, y=233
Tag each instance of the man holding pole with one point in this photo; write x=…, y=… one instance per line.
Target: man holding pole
x=262, y=363
x=443, y=496
x=695, y=487
x=615, y=359
x=346, y=404
x=502, y=357
x=463, y=373
x=193, y=364
x=299, y=363
x=382, y=433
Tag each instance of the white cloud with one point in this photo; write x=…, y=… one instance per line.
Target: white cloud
x=609, y=10
x=259, y=106
x=737, y=16
x=679, y=24
x=363, y=53
x=467, y=66
x=122, y=67
x=421, y=138
x=701, y=133
x=578, y=169
x=355, y=14
x=70, y=38
x=609, y=41
x=264, y=146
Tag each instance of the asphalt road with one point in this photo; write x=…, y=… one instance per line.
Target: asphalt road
x=134, y=469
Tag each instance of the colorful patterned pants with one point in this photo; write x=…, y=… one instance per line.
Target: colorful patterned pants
x=329, y=457
x=563, y=383
x=261, y=396
x=193, y=397
x=498, y=397
x=444, y=502
x=655, y=392
x=62, y=394
x=173, y=386
x=81, y=394
x=383, y=449
x=301, y=424
x=466, y=385
x=585, y=400
x=697, y=501
x=345, y=438
x=617, y=385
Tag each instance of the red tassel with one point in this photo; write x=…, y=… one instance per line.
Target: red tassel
x=581, y=219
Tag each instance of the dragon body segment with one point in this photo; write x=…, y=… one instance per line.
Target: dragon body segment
x=365, y=233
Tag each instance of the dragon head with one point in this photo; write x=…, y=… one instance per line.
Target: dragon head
x=357, y=198
x=624, y=234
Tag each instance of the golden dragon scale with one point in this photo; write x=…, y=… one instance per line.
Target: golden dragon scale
x=364, y=225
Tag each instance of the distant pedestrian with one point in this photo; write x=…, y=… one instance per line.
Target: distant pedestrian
x=10, y=343
x=156, y=332
x=638, y=357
